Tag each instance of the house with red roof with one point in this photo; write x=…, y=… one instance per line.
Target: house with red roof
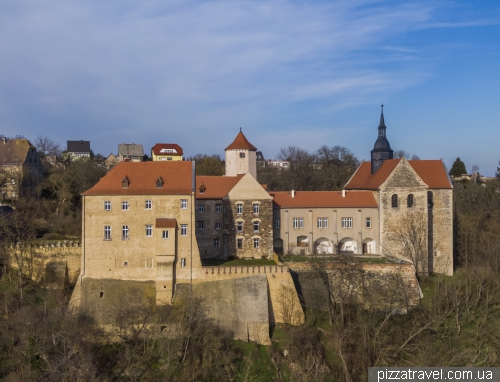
x=137, y=227
x=241, y=157
x=166, y=152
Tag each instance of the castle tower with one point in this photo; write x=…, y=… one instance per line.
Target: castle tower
x=382, y=149
x=241, y=157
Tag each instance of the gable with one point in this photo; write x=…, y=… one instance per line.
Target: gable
x=248, y=188
x=403, y=176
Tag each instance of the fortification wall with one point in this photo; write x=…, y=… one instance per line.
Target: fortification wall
x=55, y=264
x=383, y=287
x=239, y=305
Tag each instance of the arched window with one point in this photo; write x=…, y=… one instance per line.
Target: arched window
x=430, y=199
x=409, y=201
x=394, y=200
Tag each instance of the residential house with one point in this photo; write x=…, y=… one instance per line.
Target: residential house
x=130, y=152
x=166, y=152
x=20, y=168
x=77, y=150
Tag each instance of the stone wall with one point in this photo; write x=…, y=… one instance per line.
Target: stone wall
x=383, y=287
x=206, y=236
x=56, y=264
x=265, y=233
x=239, y=305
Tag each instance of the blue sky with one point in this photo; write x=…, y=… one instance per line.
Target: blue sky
x=305, y=73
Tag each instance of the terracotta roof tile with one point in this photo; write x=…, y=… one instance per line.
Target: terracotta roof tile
x=241, y=142
x=143, y=176
x=166, y=223
x=160, y=146
x=216, y=187
x=432, y=172
x=311, y=199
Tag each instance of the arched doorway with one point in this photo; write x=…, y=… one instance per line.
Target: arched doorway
x=369, y=246
x=348, y=246
x=323, y=246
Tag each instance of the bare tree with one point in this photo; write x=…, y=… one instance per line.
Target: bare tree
x=408, y=235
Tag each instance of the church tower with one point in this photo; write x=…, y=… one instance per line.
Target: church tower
x=382, y=149
x=241, y=157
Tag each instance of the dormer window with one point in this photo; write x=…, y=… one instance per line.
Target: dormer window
x=202, y=189
x=159, y=182
x=125, y=182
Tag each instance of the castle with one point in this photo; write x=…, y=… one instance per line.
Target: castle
x=146, y=226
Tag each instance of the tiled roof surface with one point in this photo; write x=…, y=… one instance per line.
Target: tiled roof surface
x=432, y=172
x=130, y=149
x=14, y=151
x=216, y=187
x=142, y=177
x=165, y=223
x=241, y=142
x=309, y=199
x=160, y=146
x=78, y=146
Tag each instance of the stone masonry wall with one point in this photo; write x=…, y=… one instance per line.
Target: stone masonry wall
x=205, y=237
x=56, y=264
x=382, y=287
x=265, y=233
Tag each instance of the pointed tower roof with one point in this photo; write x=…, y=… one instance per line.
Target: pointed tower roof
x=241, y=143
x=382, y=144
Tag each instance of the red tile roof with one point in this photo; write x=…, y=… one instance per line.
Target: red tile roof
x=166, y=223
x=432, y=172
x=143, y=176
x=241, y=142
x=216, y=187
x=311, y=199
x=160, y=146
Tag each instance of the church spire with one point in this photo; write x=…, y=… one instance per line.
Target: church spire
x=382, y=149
x=382, y=127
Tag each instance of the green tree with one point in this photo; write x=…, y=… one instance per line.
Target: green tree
x=208, y=164
x=458, y=168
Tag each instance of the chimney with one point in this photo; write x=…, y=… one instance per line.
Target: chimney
x=293, y=193
x=343, y=193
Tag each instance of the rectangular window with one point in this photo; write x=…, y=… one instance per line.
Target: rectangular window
x=256, y=243
x=239, y=209
x=107, y=205
x=184, y=204
x=322, y=222
x=298, y=222
x=201, y=224
x=255, y=208
x=149, y=204
x=218, y=208
x=146, y=263
x=107, y=232
x=124, y=232
x=277, y=223
x=239, y=226
x=368, y=222
x=346, y=222
x=256, y=226
x=239, y=243
x=183, y=262
x=149, y=230
x=218, y=225
x=216, y=243
x=184, y=229
x=124, y=205
x=164, y=234
x=200, y=208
